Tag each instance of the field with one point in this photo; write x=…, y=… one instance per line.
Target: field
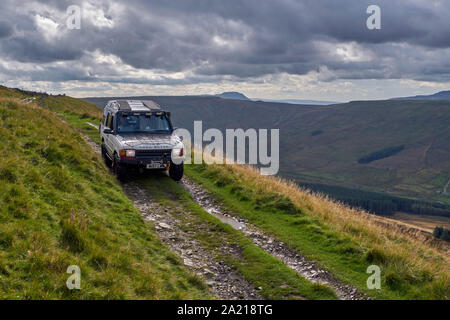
x=426, y=223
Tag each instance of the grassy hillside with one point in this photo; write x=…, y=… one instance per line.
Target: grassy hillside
x=342, y=240
x=76, y=112
x=59, y=206
x=69, y=105
x=11, y=93
x=323, y=144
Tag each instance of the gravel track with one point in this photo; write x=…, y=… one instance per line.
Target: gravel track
x=222, y=281
x=277, y=249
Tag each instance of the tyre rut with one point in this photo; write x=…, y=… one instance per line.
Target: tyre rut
x=222, y=281
x=277, y=249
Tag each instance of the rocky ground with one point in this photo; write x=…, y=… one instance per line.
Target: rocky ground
x=223, y=282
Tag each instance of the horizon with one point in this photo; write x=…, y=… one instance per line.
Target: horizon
x=280, y=98
x=253, y=99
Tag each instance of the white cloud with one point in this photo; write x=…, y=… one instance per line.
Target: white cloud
x=96, y=15
x=49, y=28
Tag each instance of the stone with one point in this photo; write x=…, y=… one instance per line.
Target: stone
x=164, y=225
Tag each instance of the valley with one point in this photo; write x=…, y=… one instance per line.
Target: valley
x=323, y=146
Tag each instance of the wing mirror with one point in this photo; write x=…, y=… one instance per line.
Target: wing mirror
x=107, y=131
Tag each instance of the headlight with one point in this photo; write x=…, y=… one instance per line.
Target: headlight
x=127, y=153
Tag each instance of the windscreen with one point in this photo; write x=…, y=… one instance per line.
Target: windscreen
x=143, y=123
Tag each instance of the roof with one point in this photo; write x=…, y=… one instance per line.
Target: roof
x=135, y=105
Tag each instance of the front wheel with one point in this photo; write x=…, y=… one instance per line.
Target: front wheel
x=176, y=171
x=119, y=170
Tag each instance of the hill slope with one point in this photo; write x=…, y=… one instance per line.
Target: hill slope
x=60, y=207
x=342, y=240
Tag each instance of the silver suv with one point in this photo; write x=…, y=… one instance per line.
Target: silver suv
x=138, y=135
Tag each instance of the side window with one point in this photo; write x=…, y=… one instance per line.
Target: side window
x=112, y=123
x=105, y=115
x=108, y=121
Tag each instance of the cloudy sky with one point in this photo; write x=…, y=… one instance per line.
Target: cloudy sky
x=304, y=49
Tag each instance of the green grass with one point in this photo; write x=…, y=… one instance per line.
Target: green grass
x=59, y=206
x=65, y=104
x=11, y=93
x=334, y=250
x=79, y=122
x=77, y=113
x=276, y=279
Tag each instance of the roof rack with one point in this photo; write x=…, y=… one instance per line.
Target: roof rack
x=136, y=105
x=152, y=105
x=124, y=105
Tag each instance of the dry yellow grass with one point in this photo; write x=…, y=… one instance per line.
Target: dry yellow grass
x=406, y=249
x=423, y=222
x=338, y=215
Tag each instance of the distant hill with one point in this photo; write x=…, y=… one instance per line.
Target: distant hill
x=296, y=101
x=240, y=96
x=232, y=96
x=443, y=95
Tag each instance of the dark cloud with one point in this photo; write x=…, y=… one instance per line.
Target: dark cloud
x=243, y=39
x=5, y=30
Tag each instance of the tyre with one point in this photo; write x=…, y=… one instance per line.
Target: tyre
x=119, y=170
x=176, y=171
x=105, y=157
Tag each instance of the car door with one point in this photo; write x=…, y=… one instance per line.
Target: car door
x=108, y=137
x=112, y=137
x=103, y=123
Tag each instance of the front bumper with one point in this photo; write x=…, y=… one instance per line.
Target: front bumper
x=149, y=159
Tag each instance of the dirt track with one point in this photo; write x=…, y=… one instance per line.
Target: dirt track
x=222, y=281
x=277, y=249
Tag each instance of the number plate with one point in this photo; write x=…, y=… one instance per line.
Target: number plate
x=156, y=165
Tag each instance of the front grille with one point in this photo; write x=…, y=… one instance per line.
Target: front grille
x=153, y=153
